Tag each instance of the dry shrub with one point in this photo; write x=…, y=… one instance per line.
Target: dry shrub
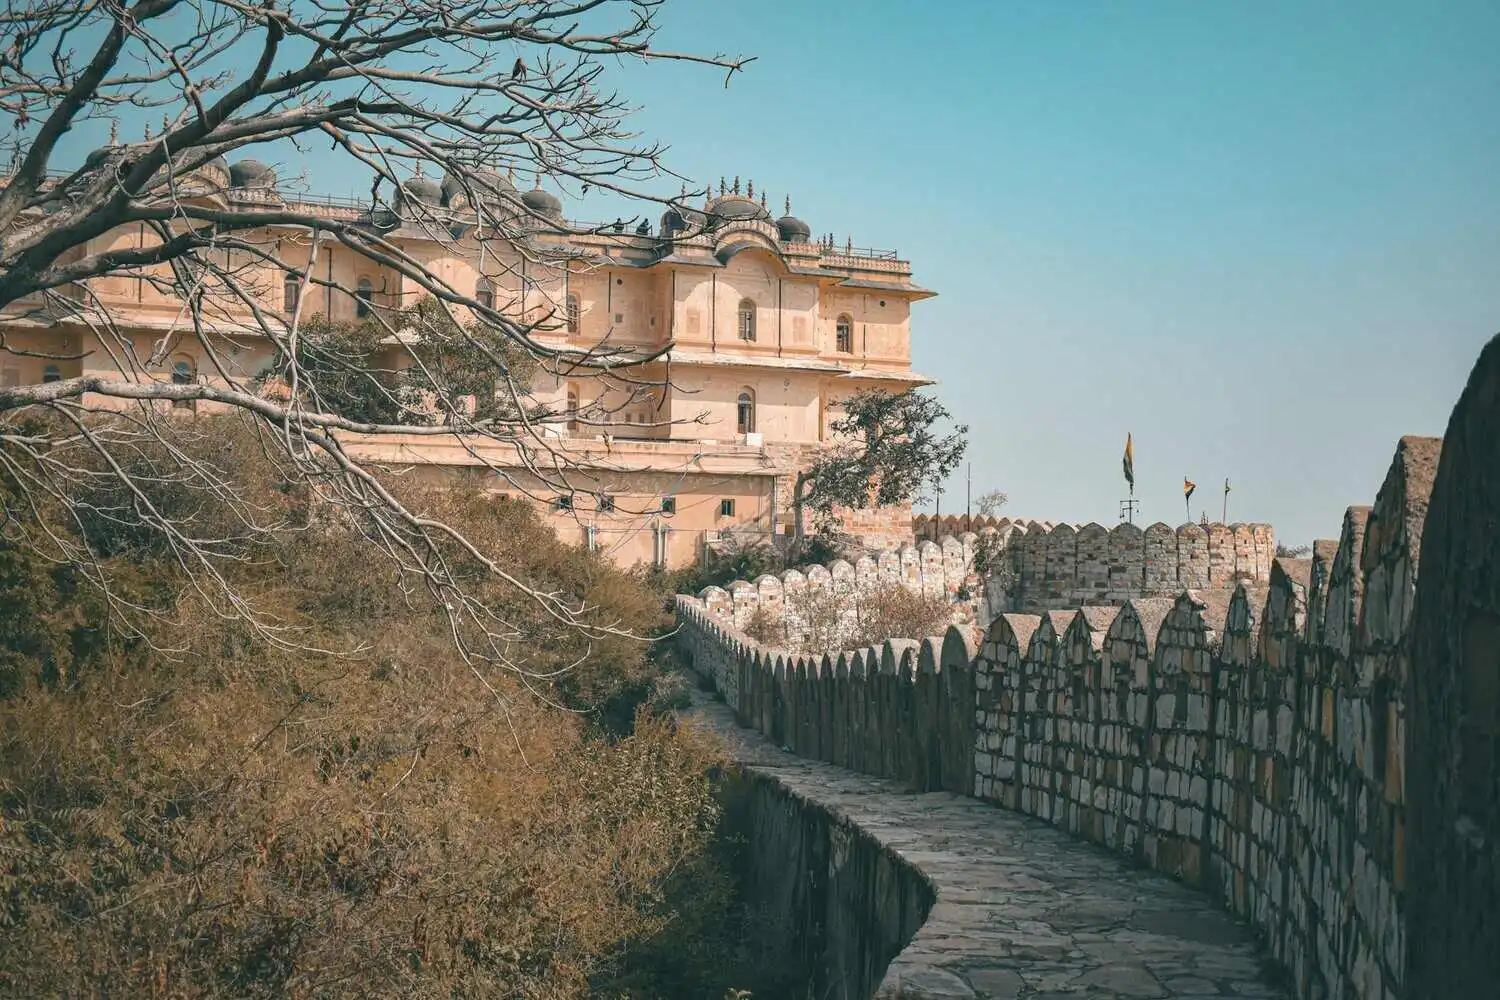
x=890, y=611
x=203, y=814
x=767, y=628
x=819, y=620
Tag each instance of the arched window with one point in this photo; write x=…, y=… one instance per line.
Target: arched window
x=291, y=289
x=747, y=319
x=571, y=308
x=52, y=373
x=184, y=372
x=572, y=410
x=745, y=412
x=484, y=293
x=365, y=293
x=844, y=335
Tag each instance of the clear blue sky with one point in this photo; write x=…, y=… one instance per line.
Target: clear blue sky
x=1263, y=237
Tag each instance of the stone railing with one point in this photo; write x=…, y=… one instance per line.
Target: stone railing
x=1249, y=742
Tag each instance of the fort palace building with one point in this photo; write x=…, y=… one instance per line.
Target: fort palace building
x=764, y=328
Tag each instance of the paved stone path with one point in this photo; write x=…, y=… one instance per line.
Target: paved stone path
x=1023, y=911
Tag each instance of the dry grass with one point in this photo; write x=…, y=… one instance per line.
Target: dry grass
x=202, y=815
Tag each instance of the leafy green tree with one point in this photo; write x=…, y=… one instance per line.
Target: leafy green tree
x=889, y=448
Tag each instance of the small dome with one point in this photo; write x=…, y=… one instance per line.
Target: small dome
x=490, y=186
x=251, y=174
x=681, y=220
x=793, y=229
x=737, y=208
x=542, y=202
x=424, y=190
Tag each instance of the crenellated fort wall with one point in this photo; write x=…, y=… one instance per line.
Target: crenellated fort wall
x=1026, y=566
x=1250, y=742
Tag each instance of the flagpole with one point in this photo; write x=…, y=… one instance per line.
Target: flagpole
x=1225, y=516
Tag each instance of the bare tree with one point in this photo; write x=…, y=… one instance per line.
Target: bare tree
x=990, y=504
x=471, y=91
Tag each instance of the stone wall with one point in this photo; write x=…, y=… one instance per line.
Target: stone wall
x=835, y=592
x=1450, y=673
x=1034, y=567
x=1250, y=743
x=839, y=904
x=933, y=526
x=1017, y=566
x=879, y=529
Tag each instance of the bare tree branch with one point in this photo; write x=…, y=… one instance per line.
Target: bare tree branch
x=469, y=91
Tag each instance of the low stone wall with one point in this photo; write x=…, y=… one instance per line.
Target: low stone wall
x=901, y=710
x=1023, y=566
x=841, y=904
x=982, y=903
x=1249, y=743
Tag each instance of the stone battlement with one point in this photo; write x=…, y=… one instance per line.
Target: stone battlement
x=1023, y=566
x=1247, y=740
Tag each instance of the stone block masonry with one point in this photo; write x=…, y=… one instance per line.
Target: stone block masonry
x=1039, y=566
x=1256, y=746
x=1018, y=566
x=882, y=893
x=1448, y=686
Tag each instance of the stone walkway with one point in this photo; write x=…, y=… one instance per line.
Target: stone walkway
x=1023, y=911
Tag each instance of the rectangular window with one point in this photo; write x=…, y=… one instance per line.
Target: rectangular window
x=669, y=505
x=562, y=503
x=606, y=503
x=726, y=508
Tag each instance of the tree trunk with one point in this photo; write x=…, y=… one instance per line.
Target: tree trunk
x=799, y=503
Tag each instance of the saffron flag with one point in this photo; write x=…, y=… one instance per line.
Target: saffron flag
x=1188, y=486
x=1129, y=462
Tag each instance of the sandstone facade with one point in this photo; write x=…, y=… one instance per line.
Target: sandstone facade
x=758, y=333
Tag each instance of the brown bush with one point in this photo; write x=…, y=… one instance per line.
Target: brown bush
x=890, y=611
x=189, y=810
x=819, y=620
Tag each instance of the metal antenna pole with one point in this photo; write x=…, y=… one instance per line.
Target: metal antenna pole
x=968, y=496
